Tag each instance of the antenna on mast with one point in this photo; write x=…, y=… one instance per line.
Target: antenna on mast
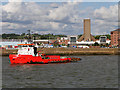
x=29, y=37
x=28, y=32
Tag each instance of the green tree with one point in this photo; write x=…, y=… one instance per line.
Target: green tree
x=23, y=34
x=79, y=35
x=96, y=44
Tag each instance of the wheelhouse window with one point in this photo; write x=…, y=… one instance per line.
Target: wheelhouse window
x=30, y=45
x=19, y=46
x=24, y=45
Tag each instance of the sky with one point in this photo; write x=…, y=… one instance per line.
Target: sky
x=63, y=0
x=58, y=17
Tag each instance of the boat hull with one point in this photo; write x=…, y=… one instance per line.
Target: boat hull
x=29, y=59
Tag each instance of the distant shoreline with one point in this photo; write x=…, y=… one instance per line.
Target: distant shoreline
x=70, y=51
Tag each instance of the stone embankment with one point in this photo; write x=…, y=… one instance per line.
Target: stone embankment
x=81, y=51
x=71, y=51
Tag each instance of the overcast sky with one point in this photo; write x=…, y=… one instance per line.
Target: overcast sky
x=58, y=17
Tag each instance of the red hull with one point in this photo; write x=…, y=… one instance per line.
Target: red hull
x=23, y=59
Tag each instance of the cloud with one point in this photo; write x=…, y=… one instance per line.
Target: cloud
x=106, y=19
x=58, y=18
x=12, y=6
x=110, y=14
x=61, y=12
x=15, y=0
x=33, y=16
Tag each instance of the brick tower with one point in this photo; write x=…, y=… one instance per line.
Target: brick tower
x=87, y=32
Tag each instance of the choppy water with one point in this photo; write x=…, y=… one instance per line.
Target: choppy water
x=90, y=72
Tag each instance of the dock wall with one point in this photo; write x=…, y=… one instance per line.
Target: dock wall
x=82, y=51
x=71, y=51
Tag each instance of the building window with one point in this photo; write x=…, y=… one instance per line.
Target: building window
x=72, y=39
x=102, y=39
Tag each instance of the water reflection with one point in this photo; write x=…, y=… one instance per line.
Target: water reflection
x=29, y=65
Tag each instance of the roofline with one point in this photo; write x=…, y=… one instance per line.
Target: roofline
x=116, y=30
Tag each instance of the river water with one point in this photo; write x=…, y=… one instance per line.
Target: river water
x=91, y=72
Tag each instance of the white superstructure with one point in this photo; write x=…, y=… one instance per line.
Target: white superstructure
x=26, y=51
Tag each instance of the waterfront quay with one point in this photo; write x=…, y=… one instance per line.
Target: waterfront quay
x=69, y=51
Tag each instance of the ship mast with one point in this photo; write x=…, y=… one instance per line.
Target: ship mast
x=29, y=37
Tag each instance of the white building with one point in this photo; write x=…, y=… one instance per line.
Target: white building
x=103, y=40
x=72, y=39
x=11, y=43
x=64, y=38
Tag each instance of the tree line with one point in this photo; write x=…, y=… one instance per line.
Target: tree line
x=33, y=36
x=39, y=36
x=107, y=35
